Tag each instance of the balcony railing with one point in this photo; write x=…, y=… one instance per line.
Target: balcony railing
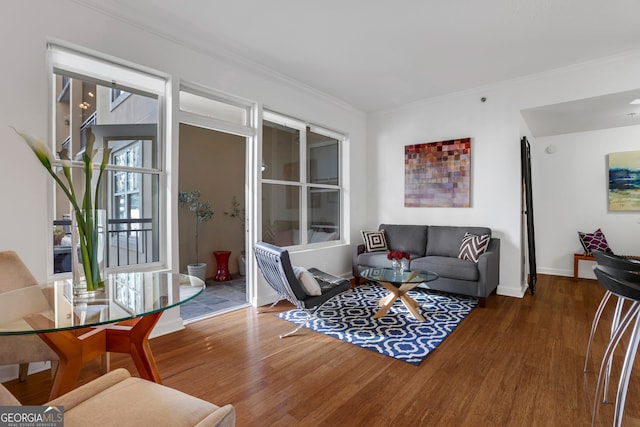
x=129, y=239
x=129, y=242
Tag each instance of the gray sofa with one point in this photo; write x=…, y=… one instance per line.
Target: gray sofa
x=436, y=248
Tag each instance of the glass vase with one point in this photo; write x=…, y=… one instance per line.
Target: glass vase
x=88, y=239
x=396, y=265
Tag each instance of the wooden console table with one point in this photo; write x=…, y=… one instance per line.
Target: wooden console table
x=580, y=257
x=585, y=257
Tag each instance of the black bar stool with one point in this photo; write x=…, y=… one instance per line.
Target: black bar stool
x=626, y=286
x=622, y=263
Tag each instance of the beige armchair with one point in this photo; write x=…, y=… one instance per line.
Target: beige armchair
x=21, y=349
x=118, y=399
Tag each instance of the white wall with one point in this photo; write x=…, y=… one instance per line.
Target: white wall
x=495, y=127
x=570, y=194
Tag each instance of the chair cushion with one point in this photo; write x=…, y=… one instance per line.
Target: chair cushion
x=331, y=286
x=308, y=282
x=594, y=242
x=374, y=241
x=15, y=274
x=473, y=246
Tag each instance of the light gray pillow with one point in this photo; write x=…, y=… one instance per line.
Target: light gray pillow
x=309, y=283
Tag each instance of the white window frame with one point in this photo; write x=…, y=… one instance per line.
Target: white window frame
x=303, y=184
x=250, y=128
x=105, y=70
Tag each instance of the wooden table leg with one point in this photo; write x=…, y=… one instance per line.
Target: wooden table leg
x=387, y=301
x=132, y=336
x=412, y=306
x=74, y=351
x=79, y=346
x=576, y=260
x=398, y=293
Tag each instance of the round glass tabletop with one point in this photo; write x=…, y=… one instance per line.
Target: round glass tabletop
x=54, y=307
x=390, y=275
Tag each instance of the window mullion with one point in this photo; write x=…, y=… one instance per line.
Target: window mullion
x=304, y=223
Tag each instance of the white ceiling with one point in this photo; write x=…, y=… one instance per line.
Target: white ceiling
x=379, y=54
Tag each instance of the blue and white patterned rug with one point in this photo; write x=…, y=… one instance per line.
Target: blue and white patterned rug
x=349, y=317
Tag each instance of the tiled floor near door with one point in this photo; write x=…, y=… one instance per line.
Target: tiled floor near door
x=217, y=297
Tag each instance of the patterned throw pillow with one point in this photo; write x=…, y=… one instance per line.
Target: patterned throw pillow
x=473, y=246
x=594, y=242
x=374, y=241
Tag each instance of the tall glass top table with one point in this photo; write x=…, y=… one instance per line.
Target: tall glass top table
x=81, y=327
x=398, y=283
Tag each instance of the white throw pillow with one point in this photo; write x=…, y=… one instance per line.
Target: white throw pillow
x=308, y=282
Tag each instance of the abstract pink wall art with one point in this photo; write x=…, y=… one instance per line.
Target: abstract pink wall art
x=438, y=174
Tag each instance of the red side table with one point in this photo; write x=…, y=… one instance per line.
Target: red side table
x=222, y=260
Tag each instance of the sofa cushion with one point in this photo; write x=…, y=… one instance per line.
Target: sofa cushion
x=374, y=241
x=406, y=238
x=450, y=267
x=374, y=259
x=473, y=246
x=445, y=240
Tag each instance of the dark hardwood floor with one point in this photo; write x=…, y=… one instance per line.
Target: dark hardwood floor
x=517, y=362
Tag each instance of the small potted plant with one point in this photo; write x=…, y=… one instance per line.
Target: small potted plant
x=58, y=234
x=203, y=213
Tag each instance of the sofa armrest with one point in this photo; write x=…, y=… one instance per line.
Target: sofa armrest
x=224, y=416
x=6, y=398
x=118, y=399
x=357, y=250
x=87, y=391
x=489, y=269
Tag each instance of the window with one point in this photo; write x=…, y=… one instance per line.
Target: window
x=127, y=194
x=301, y=189
x=82, y=100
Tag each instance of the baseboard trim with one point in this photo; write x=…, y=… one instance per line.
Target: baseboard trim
x=510, y=291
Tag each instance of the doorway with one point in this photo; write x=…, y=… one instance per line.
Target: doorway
x=213, y=163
